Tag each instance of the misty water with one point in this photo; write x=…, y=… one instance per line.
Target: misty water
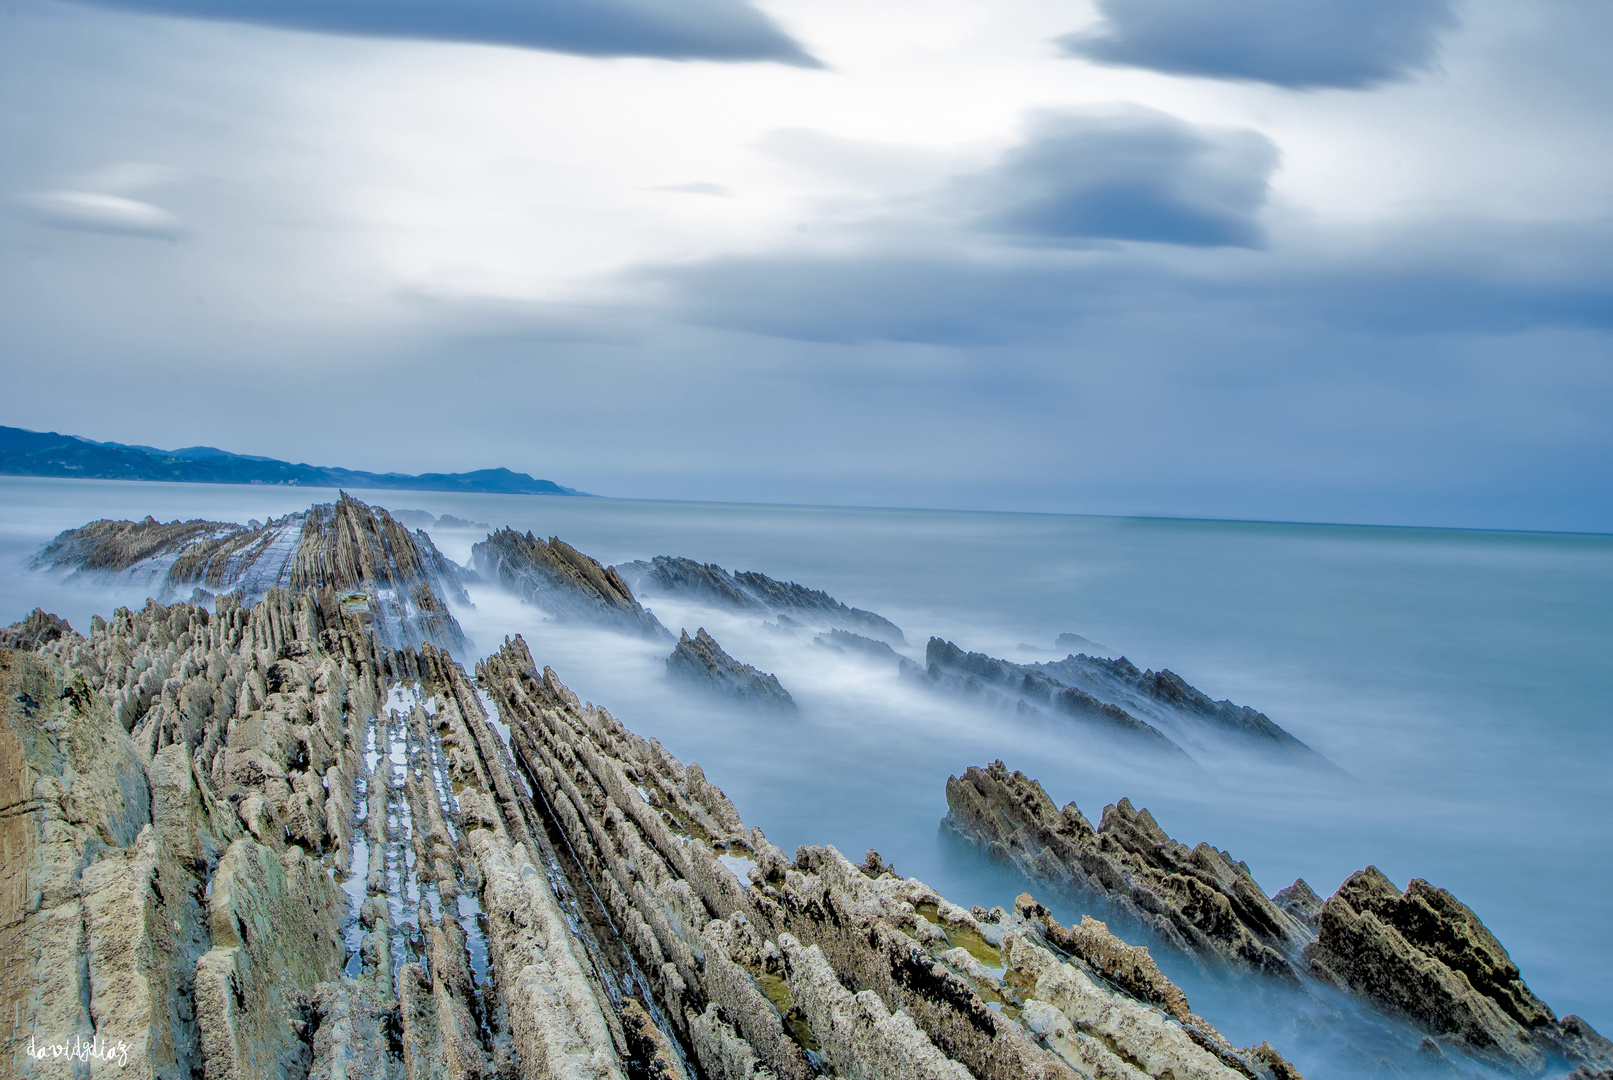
x=1460, y=679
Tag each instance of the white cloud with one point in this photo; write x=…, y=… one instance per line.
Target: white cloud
x=95, y=211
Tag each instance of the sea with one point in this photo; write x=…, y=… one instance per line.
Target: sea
x=1460, y=680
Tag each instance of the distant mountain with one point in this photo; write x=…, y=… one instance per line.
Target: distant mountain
x=35, y=453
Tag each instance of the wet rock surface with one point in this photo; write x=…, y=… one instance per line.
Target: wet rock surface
x=1199, y=899
x=701, y=661
x=570, y=586
x=361, y=551
x=296, y=852
x=1424, y=954
x=1154, y=709
x=1419, y=955
x=748, y=590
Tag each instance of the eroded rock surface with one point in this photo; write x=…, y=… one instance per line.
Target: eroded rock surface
x=1155, y=709
x=1424, y=954
x=700, y=660
x=570, y=586
x=39, y=628
x=748, y=590
x=373, y=562
x=1198, y=899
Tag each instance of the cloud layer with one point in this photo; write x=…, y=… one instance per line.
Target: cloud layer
x=1293, y=43
x=722, y=30
x=1131, y=175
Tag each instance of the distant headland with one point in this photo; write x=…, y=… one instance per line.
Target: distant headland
x=35, y=453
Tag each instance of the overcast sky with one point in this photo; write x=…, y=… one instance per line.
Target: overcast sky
x=1338, y=260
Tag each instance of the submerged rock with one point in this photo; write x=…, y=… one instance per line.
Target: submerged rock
x=1157, y=707
x=845, y=641
x=708, y=583
x=702, y=661
x=1425, y=955
x=570, y=586
x=399, y=578
x=1198, y=899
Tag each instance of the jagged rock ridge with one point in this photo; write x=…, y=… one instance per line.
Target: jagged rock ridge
x=1421, y=955
x=1198, y=899
x=398, y=577
x=748, y=590
x=702, y=661
x=570, y=586
x=309, y=855
x=1155, y=707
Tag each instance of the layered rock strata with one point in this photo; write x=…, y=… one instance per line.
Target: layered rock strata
x=765, y=965
x=570, y=586
x=377, y=565
x=1423, y=954
x=1166, y=700
x=310, y=855
x=748, y=590
x=1420, y=955
x=1198, y=899
x=1156, y=708
x=700, y=660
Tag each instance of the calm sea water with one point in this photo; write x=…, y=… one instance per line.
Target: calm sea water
x=1463, y=680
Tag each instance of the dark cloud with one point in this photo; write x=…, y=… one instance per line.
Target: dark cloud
x=724, y=30
x=1294, y=43
x=1133, y=175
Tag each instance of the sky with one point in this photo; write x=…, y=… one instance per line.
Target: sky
x=1280, y=259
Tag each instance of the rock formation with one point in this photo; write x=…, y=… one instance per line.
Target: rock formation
x=999, y=684
x=39, y=628
x=1157, y=708
x=259, y=843
x=702, y=661
x=1425, y=955
x=1166, y=700
x=398, y=577
x=1420, y=955
x=844, y=641
x=570, y=586
x=1198, y=899
x=708, y=583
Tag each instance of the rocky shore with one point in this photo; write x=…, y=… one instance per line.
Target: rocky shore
x=378, y=566
x=310, y=855
x=1419, y=955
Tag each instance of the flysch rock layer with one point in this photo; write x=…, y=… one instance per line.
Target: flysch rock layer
x=1198, y=899
x=766, y=966
x=1110, y=695
x=1420, y=955
x=999, y=684
x=1423, y=954
x=309, y=855
x=570, y=586
x=701, y=661
x=748, y=590
x=399, y=578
